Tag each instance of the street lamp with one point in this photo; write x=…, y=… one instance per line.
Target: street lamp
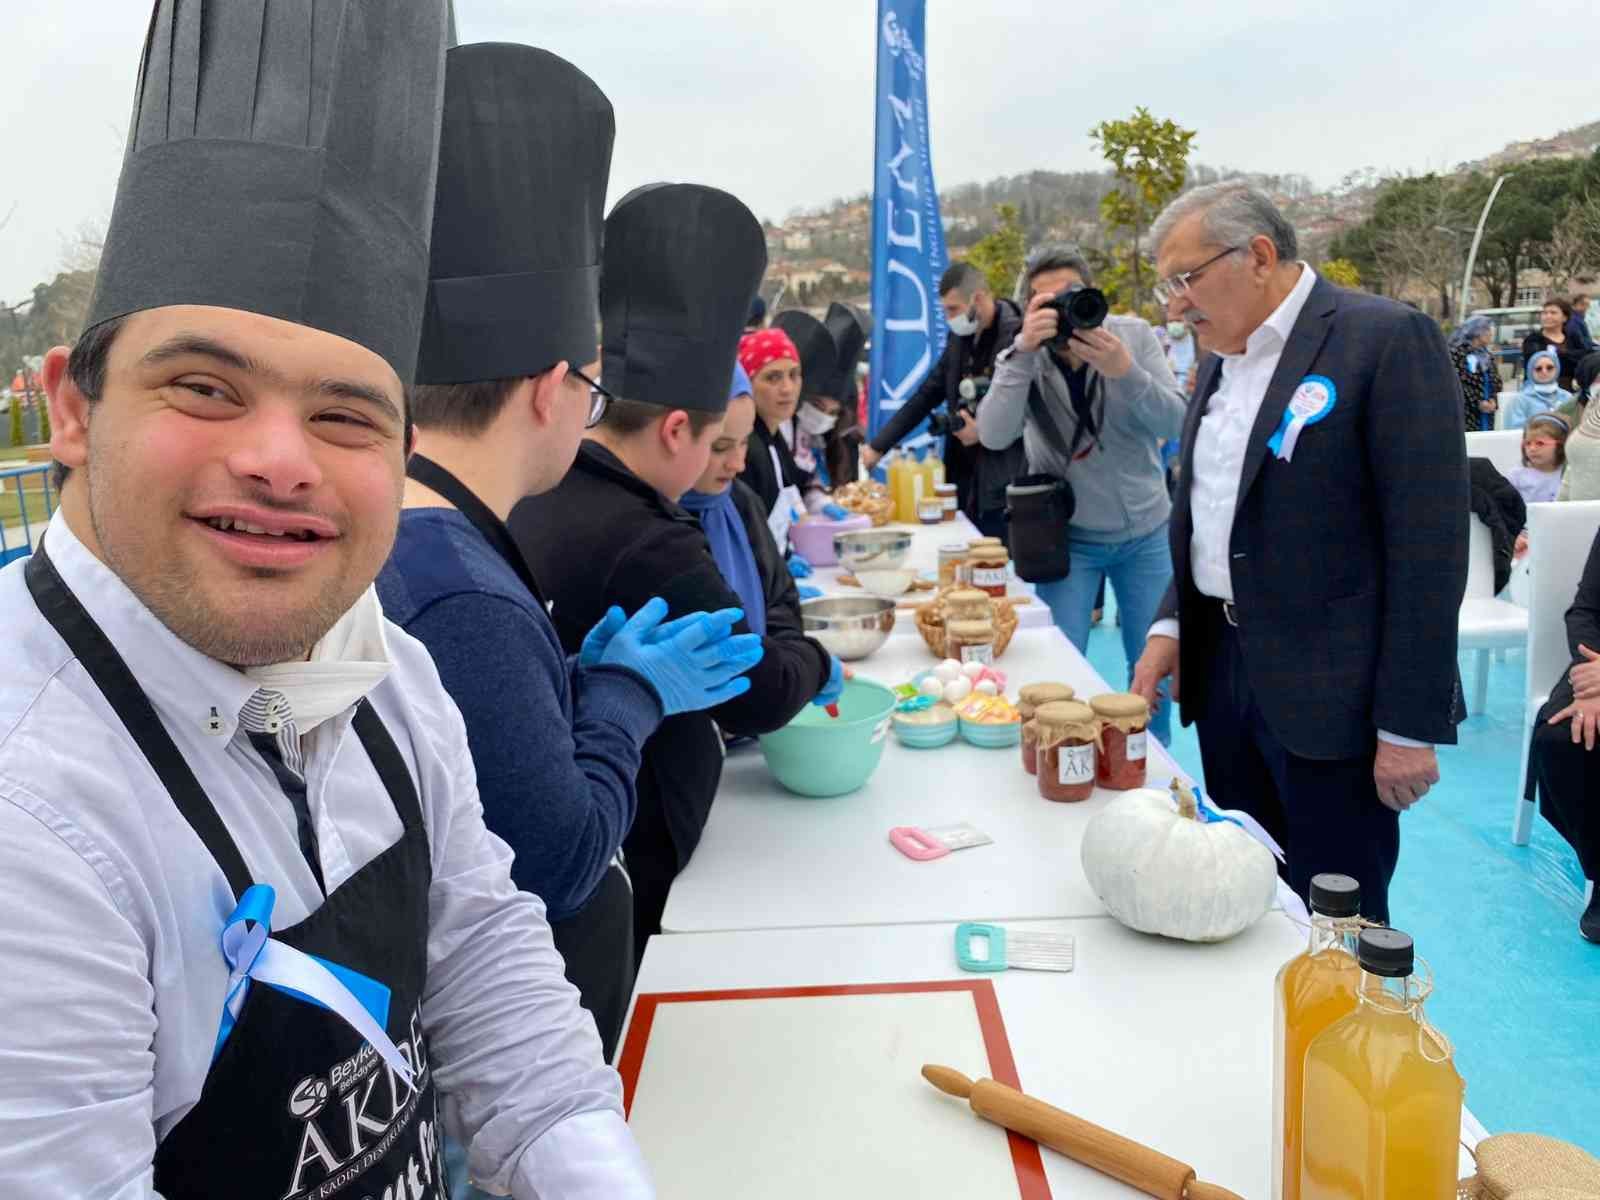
x=1477, y=237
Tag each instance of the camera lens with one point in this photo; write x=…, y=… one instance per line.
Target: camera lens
x=1086, y=308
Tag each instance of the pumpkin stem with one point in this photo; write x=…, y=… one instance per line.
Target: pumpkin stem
x=1188, y=808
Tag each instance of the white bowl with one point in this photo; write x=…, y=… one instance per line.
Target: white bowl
x=886, y=581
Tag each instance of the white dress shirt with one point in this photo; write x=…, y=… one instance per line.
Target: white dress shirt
x=111, y=975
x=1219, y=450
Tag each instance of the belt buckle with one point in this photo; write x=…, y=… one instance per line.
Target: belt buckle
x=1230, y=613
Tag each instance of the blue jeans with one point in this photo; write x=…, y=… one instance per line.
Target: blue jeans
x=1139, y=571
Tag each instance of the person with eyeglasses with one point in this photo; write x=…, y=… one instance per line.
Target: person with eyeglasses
x=557, y=741
x=1541, y=391
x=1319, y=542
x=1092, y=407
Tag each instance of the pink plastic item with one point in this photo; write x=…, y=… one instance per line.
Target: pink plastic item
x=915, y=844
x=814, y=538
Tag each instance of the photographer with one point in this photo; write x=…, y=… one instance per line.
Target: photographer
x=980, y=326
x=1093, y=405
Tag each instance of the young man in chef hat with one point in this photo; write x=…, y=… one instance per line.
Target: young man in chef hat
x=208, y=732
x=681, y=265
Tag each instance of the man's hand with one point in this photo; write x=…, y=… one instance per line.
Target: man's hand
x=1104, y=351
x=870, y=457
x=1585, y=718
x=1585, y=676
x=1521, y=547
x=1159, y=660
x=1403, y=773
x=967, y=432
x=1039, y=325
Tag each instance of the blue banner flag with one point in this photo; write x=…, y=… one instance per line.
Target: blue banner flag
x=907, y=236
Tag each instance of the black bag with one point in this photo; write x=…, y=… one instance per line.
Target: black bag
x=1040, y=507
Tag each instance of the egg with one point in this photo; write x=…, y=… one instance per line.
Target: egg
x=958, y=690
x=987, y=687
x=947, y=670
x=972, y=670
x=931, y=685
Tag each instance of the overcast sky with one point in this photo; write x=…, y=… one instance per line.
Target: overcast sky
x=774, y=102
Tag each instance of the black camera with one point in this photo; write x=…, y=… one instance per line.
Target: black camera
x=943, y=422
x=1078, y=307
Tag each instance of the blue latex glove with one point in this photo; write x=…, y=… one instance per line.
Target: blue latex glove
x=699, y=665
x=834, y=688
x=834, y=513
x=598, y=638
x=807, y=592
x=799, y=566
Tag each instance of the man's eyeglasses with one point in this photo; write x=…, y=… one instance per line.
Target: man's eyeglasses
x=599, y=398
x=1179, y=284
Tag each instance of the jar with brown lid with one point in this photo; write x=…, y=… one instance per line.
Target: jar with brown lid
x=930, y=510
x=990, y=566
x=1123, y=740
x=1029, y=698
x=964, y=572
x=968, y=604
x=1068, y=735
x=969, y=641
x=947, y=497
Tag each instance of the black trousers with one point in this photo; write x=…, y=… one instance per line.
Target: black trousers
x=1569, y=785
x=597, y=944
x=1324, y=813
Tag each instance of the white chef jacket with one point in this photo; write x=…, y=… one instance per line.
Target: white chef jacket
x=111, y=975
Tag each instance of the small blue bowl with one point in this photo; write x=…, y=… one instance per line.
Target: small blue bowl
x=925, y=737
x=991, y=737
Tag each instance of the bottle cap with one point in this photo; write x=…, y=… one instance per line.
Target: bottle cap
x=1335, y=895
x=1386, y=952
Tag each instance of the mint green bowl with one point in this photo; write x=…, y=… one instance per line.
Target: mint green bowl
x=817, y=755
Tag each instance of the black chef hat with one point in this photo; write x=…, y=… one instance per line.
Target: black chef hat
x=682, y=263
x=281, y=161
x=850, y=328
x=819, y=354
x=515, y=260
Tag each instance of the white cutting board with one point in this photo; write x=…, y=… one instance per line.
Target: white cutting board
x=779, y=1096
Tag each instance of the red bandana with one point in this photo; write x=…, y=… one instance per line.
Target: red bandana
x=758, y=349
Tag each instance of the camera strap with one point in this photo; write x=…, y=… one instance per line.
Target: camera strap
x=1046, y=419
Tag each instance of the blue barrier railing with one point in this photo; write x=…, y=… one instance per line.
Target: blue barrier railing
x=16, y=538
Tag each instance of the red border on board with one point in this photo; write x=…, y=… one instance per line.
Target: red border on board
x=1031, y=1181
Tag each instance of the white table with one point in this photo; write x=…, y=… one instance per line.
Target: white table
x=769, y=859
x=1166, y=1042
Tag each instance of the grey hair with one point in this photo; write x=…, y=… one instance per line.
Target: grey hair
x=1231, y=214
x=1054, y=257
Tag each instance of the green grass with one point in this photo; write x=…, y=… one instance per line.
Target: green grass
x=10, y=514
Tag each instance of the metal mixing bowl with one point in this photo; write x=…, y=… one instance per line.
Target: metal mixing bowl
x=850, y=627
x=872, y=548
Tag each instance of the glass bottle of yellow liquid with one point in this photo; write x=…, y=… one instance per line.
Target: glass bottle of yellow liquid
x=1382, y=1110
x=933, y=471
x=1313, y=991
x=904, y=479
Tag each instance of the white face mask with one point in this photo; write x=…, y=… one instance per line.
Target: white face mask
x=1544, y=389
x=814, y=421
x=1177, y=329
x=966, y=324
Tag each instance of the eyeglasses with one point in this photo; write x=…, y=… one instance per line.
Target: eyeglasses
x=1179, y=284
x=1544, y=369
x=599, y=398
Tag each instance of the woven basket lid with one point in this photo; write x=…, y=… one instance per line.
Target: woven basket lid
x=1529, y=1166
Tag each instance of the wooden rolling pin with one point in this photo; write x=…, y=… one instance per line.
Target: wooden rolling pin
x=1111, y=1154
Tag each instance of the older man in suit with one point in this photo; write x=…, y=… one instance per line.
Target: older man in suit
x=1319, y=542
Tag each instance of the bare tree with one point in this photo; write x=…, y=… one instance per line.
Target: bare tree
x=1574, y=248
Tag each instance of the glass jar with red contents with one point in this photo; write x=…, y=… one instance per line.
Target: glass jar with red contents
x=1069, y=737
x=1123, y=740
x=1029, y=698
x=990, y=569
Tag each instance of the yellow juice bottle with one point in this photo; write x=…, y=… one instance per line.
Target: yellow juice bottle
x=1382, y=1110
x=903, y=477
x=1314, y=989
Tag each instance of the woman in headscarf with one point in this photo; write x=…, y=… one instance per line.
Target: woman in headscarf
x=1540, y=393
x=735, y=523
x=1480, y=381
x=1551, y=335
x=772, y=363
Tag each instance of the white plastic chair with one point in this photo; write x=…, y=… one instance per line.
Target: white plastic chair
x=1502, y=447
x=1559, y=538
x=1486, y=624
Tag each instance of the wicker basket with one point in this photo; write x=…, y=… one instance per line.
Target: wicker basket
x=930, y=624
x=1527, y=1166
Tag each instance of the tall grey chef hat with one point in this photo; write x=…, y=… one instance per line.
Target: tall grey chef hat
x=281, y=160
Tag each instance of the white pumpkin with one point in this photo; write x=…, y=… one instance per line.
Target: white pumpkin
x=1157, y=868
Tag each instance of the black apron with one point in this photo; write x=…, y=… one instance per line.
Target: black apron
x=296, y=1106
x=596, y=942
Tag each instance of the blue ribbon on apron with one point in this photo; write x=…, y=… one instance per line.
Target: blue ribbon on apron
x=253, y=954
